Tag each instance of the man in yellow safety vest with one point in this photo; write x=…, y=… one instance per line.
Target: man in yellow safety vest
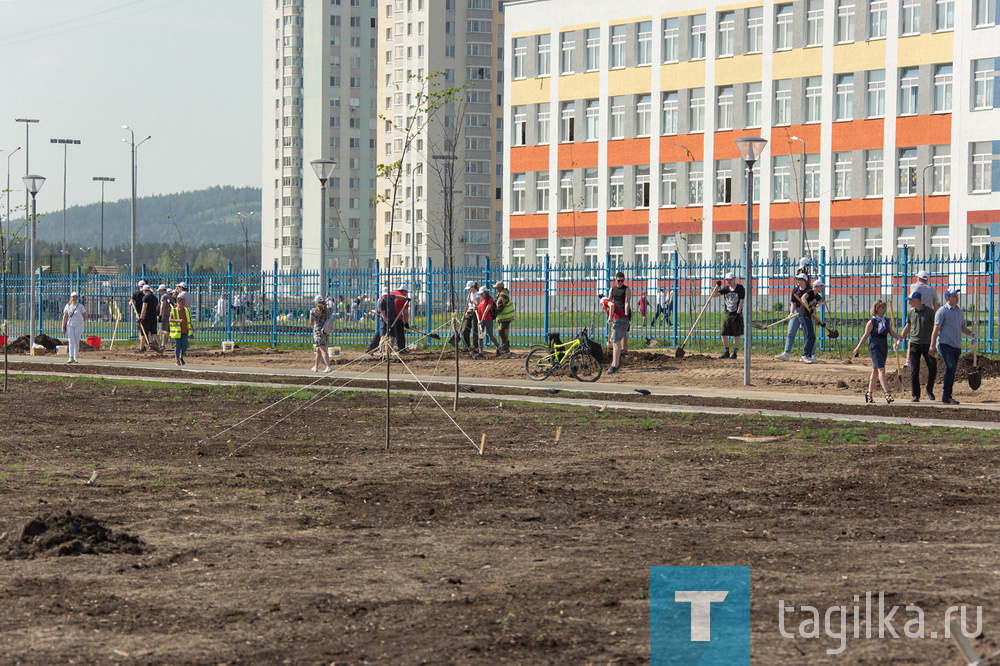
x=505, y=315
x=180, y=328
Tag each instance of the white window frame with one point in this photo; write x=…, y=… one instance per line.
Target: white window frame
x=724, y=103
x=726, y=34
x=616, y=188
x=909, y=17
x=668, y=185
x=874, y=173
x=592, y=120
x=754, y=105
x=643, y=116
x=671, y=112
x=644, y=44
x=567, y=52
x=983, y=82
x=783, y=27
x=671, y=40
x=755, y=30
x=906, y=182
x=943, y=88
x=518, y=193
x=845, y=21
x=698, y=37
x=618, y=60
x=982, y=168
x=875, y=95
x=844, y=106
x=842, y=167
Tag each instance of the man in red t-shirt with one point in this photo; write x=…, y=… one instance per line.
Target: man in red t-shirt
x=401, y=304
x=486, y=310
x=619, y=328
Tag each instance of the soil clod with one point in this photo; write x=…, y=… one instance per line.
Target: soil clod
x=58, y=534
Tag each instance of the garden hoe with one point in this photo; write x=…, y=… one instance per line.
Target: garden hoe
x=976, y=375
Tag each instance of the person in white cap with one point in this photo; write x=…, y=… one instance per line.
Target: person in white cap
x=401, y=306
x=470, y=323
x=318, y=318
x=486, y=311
x=927, y=293
x=220, y=310
x=733, y=295
x=73, y=321
x=802, y=320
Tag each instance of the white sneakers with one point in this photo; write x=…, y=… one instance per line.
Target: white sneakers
x=328, y=369
x=782, y=357
x=315, y=368
x=809, y=359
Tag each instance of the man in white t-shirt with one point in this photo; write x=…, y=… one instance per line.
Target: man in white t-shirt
x=220, y=310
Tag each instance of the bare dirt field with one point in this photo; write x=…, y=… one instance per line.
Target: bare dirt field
x=313, y=545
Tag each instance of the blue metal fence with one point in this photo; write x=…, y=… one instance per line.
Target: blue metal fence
x=272, y=307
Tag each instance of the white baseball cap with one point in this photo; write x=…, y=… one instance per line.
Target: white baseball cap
x=146, y=287
x=805, y=261
x=730, y=275
x=182, y=285
x=484, y=290
x=403, y=287
x=318, y=299
x=162, y=286
x=470, y=284
x=802, y=276
x=75, y=293
x=818, y=283
x=923, y=275
x=141, y=282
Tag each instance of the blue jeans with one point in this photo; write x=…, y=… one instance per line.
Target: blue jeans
x=950, y=356
x=806, y=324
x=180, y=346
x=664, y=310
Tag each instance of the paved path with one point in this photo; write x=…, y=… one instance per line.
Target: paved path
x=545, y=400
x=368, y=366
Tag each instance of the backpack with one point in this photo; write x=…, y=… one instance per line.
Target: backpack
x=596, y=350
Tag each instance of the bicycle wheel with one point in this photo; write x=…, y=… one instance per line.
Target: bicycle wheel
x=540, y=363
x=585, y=368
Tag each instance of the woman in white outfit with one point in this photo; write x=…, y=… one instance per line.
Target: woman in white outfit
x=74, y=318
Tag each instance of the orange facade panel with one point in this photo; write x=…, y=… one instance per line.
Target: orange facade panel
x=907, y=211
x=858, y=135
x=679, y=220
x=674, y=148
x=725, y=144
x=855, y=213
x=782, y=143
x=578, y=155
x=529, y=158
x=628, y=151
x=528, y=226
x=628, y=222
x=983, y=216
x=930, y=130
x=578, y=225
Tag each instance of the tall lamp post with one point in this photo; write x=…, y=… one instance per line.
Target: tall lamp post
x=103, y=180
x=135, y=146
x=751, y=148
x=32, y=184
x=923, y=211
x=28, y=122
x=66, y=143
x=246, y=237
x=802, y=209
x=324, y=170
x=8, y=242
x=413, y=228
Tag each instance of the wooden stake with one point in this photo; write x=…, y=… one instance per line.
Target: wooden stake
x=602, y=409
x=482, y=444
x=558, y=432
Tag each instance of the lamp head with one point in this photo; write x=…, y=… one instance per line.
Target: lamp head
x=324, y=169
x=33, y=183
x=125, y=127
x=751, y=148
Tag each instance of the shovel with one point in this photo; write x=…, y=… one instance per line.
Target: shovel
x=976, y=376
x=832, y=332
x=761, y=327
x=899, y=369
x=679, y=353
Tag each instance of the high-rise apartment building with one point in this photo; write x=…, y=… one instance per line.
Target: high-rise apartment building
x=319, y=103
x=622, y=118
x=459, y=43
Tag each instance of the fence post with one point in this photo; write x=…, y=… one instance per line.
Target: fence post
x=991, y=268
x=822, y=307
x=229, y=301
x=274, y=308
x=545, y=294
x=489, y=281
x=674, y=309
x=428, y=298
x=79, y=279
x=39, y=308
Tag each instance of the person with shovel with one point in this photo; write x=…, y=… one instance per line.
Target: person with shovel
x=878, y=330
x=949, y=324
x=919, y=324
x=803, y=320
x=733, y=295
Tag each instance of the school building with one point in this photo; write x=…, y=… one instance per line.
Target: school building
x=621, y=124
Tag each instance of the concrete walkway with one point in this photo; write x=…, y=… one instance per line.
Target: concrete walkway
x=373, y=371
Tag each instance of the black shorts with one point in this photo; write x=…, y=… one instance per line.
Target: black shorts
x=149, y=326
x=732, y=325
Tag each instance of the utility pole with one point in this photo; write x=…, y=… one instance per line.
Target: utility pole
x=66, y=143
x=103, y=180
x=28, y=122
x=135, y=146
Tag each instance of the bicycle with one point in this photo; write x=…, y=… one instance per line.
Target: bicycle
x=583, y=366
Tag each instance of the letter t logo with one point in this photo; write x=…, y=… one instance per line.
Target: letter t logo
x=701, y=610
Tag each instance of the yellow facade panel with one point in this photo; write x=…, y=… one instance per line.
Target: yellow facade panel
x=859, y=56
x=739, y=5
x=530, y=91
x=530, y=33
x=630, y=81
x=681, y=75
x=582, y=26
x=585, y=85
x=796, y=63
x=627, y=21
x=926, y=49
x=741, y=69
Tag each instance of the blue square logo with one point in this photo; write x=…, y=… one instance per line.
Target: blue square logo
x=699, y=615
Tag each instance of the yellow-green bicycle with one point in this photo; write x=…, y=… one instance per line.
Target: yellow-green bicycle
x=577, y=354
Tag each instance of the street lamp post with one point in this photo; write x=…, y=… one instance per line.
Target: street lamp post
x=324, y=170
x=66, y=143
x=103, y=180
x=32, y=184
x=751, y=148
x=246, y=238
x=413, y=228
x=28, y=122
x=135, y=146
x=6, y=246
x=923, y=211
x=802, y=210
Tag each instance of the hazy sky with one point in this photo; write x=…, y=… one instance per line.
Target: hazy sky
x=186, y=72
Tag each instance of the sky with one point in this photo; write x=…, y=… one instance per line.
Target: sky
x=185, y=72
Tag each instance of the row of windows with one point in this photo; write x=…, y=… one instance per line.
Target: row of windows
x=410, y=5
x=629, y=187
x=684, y=38
x=856, y=95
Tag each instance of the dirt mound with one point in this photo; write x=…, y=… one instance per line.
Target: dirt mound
x=50, y=344
x=18, y=346
x=60, y=534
